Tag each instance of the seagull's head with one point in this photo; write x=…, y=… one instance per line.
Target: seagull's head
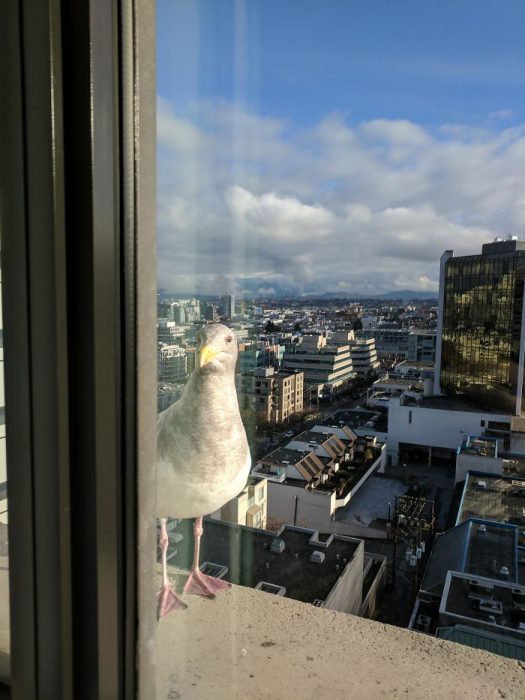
x=217, y=350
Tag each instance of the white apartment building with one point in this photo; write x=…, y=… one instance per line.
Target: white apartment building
x=330, y=365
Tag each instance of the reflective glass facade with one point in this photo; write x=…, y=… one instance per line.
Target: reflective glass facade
x=481, y=328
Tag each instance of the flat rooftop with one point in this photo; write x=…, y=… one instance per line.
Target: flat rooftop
x=477, y=548
x=497, y=498
x=313, y=437
x=495, y=605
x=247, y=554
x=401, y=381
x=283, y=455
x=480, y=447
x=358, y=419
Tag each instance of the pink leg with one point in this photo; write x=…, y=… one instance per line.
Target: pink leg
x=198, y=583
x=167, y=599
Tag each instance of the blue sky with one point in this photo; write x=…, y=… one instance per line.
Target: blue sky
x=257, y=94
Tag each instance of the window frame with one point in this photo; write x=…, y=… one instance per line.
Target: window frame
x=78, y=234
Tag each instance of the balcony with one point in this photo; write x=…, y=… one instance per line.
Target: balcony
x=257, y=646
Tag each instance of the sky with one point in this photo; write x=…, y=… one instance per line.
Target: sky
x=311, y=146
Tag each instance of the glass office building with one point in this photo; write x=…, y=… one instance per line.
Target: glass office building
x=482, y=340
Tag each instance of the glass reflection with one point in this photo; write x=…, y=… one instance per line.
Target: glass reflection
x=481, y=328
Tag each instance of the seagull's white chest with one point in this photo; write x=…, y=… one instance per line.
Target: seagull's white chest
x=193, y=493
x=203, y=456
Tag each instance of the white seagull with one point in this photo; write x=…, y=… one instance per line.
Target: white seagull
x=203, y=458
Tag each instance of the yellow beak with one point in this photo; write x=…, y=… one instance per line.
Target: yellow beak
x=207, y=354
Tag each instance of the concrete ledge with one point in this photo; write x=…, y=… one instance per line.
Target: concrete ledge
x=256, y=646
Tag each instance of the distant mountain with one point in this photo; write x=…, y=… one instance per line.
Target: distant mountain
x=401, y=294
x=407, y=294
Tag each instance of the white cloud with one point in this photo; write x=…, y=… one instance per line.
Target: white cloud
x=247, y=203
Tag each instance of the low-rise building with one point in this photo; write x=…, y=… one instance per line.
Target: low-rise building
x=473, y=588
x=322, y=569
x=249, y=507
x=480, y=454
x=433, y=428
x=317, y=473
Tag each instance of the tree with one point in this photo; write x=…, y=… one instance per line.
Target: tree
x=271, y=327
x=357, y=325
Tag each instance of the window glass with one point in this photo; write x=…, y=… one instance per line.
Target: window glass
x=315, y=161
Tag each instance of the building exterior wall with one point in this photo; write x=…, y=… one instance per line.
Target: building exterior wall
x=468, y=462
x=347, y=593
x=293, y=505
x=433, y=427
x=249, y=508
x=422, y=346
x=274, y=397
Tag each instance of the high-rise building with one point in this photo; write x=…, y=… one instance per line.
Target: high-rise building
x=228, y=306
x=481, y=329
x=209, y=312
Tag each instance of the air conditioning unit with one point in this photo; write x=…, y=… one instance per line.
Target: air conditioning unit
x=278, y=545
x=423, y=623
x=317, y=557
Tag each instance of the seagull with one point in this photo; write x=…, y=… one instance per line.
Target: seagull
x=203, y=458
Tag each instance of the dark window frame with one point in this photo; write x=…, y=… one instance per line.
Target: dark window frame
x=78, y=233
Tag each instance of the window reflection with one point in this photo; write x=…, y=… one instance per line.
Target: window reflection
x=481, y=328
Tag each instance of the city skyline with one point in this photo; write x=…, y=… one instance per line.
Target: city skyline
x=336, y=149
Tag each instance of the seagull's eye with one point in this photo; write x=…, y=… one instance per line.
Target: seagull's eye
x=229, y=338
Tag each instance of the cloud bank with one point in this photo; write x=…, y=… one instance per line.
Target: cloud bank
x=248, y=203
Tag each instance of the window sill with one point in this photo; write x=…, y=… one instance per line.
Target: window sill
x=252, y=645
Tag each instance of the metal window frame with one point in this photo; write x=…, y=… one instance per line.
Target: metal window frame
x=78, y=235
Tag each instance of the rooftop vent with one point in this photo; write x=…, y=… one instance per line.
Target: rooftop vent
x=482, y=529
x=318, y=603
x=482, y=485
x=423, y=623
x=317, y=557
x=270, y=588
x=278, y=545
x=209, y=568
x=504, y=572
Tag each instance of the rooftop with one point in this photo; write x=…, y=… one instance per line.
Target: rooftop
x=497, y=498
x=475, y=547
x=248, y=555
x=498, y=606
x=358, y=419
x=480, y=447
x=283, y=455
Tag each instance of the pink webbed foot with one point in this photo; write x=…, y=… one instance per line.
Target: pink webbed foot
x=168, y=600
x=200, y=584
